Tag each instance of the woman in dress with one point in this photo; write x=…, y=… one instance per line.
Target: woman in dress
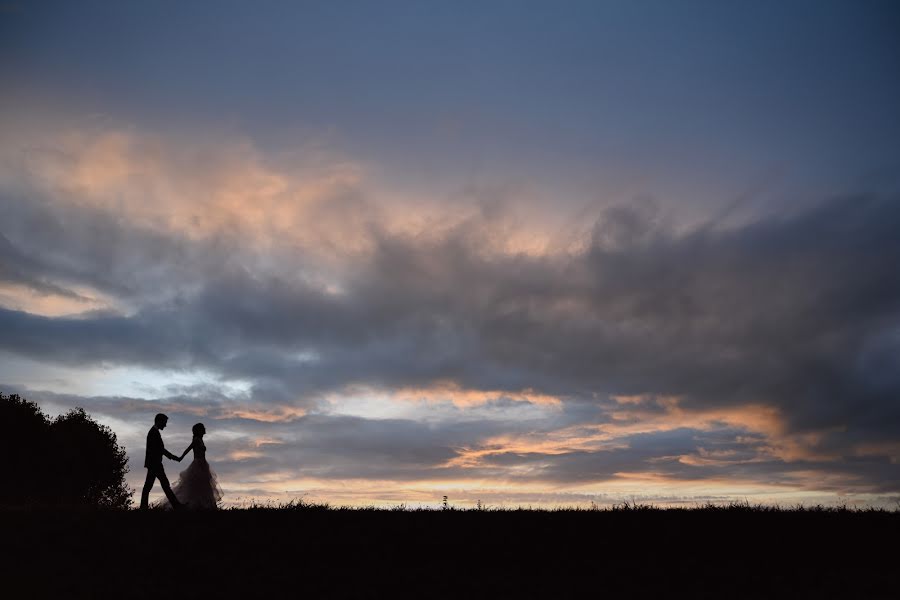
x=197, y=486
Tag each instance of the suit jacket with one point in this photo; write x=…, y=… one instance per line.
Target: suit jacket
x=155, y=449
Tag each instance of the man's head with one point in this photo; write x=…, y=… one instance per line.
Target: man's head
x=160, y=421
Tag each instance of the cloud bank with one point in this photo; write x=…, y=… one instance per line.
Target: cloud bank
x=357, y=346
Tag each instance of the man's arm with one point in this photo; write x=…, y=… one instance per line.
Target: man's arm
x=166, y=452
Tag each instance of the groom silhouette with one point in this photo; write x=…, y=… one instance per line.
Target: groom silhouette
x=153, y=462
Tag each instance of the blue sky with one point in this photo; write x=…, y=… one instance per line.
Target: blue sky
x=544, y=251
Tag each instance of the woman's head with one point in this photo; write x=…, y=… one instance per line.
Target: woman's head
x=198, y=430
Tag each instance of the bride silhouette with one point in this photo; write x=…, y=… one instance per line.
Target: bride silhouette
x=197, y=486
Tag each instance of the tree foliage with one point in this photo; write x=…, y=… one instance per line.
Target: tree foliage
x=68, y=461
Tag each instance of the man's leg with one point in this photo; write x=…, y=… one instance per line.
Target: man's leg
x=148, y=485
x=164, y=482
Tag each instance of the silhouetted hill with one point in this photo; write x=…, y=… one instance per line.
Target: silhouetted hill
x=314, y=552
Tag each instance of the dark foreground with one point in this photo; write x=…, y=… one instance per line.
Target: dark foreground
x=317, y=553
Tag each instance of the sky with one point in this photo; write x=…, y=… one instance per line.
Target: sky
x=527, y=253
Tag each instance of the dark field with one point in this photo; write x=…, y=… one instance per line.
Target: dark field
x=311, y=552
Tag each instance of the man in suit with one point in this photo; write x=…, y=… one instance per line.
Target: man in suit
x=153, y=462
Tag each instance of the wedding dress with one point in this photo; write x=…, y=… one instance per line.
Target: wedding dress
x=197, y=486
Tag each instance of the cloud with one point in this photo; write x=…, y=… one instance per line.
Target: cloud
x=649, y=342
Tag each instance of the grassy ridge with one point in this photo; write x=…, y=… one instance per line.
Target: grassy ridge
x=317, y=552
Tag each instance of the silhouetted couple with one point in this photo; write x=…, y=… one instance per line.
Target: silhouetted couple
x=196, y=487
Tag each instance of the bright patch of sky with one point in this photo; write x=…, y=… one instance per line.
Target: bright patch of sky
x=128, y=381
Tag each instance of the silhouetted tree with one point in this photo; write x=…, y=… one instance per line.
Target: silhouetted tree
x=91, y=464
x=24, y=450
x=71, y=460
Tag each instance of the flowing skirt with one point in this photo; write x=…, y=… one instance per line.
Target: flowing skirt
x=197, y=487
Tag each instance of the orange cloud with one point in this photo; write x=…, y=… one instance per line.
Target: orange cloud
x=199, y=189
x=450, y=391
x=26, y=298
x=312, y=199
x=239, y=455
x=253, y=449
x=275, y=414
x=642, y=415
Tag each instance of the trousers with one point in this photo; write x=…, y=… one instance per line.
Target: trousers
x=154, y=473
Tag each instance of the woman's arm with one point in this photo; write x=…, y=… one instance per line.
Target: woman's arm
x=186, y=451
